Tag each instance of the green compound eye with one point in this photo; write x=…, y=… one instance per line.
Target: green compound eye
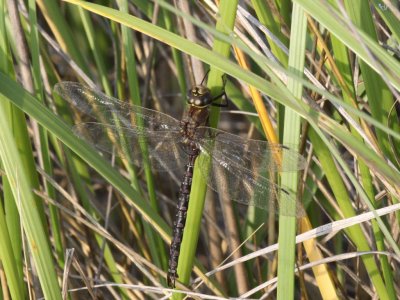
x=199, y=96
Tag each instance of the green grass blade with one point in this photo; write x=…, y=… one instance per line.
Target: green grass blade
x=91, y=38
x=159, y=256
x=19, y=97
x=33, y=37
x=227, y=10
x=10, y=254
x=291, y=135
x=391, y=21
x=335, y=24
x=340, y=192
x=22, y=189
x=62, y=32
x=379, y=96
x=12, y=268
x=351, y=131
x=266, y=17
x=343, y=65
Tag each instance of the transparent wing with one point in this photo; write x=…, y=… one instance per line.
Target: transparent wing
x=240, y=169
x=250, y=154
x=129, y=131
x=109, y=110
x=136, y=144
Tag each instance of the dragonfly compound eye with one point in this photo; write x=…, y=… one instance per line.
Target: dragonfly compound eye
x=199, y=95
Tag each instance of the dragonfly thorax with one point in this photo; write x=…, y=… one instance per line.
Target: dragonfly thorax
x=199, y=96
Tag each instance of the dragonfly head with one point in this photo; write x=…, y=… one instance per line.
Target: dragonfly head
x=199, y=96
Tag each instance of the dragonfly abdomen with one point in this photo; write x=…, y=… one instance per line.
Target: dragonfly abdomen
x=180, y=217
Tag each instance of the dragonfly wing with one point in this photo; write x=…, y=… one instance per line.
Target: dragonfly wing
x=241, y=169
x=161, y=149
x=246, y=186
x=251, y=154
x=109, y=110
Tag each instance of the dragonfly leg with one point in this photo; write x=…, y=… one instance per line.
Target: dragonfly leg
x=222, y=95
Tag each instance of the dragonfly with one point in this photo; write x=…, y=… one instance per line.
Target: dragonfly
x=236, y=166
